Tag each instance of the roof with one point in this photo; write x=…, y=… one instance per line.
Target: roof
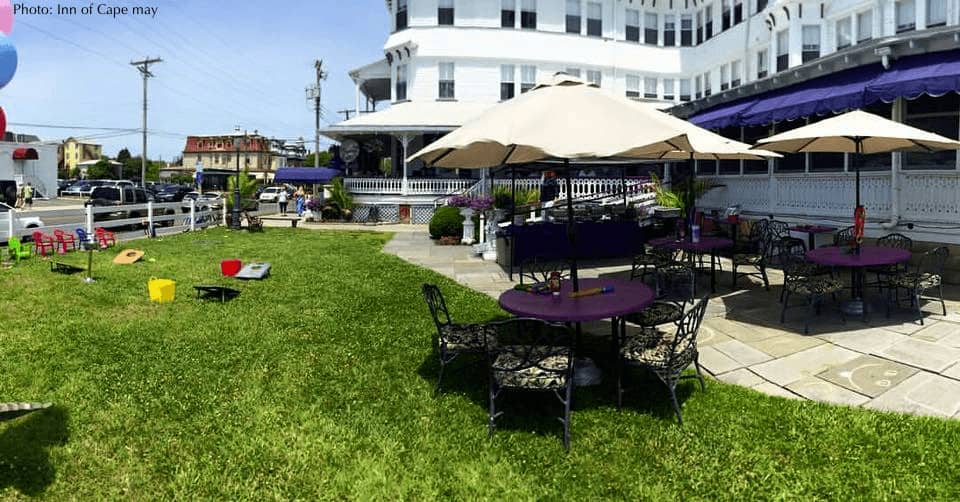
x=409, y=117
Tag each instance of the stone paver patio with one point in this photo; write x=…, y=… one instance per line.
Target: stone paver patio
x=886, y=364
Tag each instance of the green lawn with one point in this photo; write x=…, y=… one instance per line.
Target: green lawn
x=317, y=383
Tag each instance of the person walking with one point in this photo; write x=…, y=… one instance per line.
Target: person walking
x=19, y=203
x=300, y=201
x=282, y=200
x=28, y=196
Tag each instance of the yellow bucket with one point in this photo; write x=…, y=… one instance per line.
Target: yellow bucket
x=161, y=290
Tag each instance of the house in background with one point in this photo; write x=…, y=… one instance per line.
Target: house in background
x=73, y=151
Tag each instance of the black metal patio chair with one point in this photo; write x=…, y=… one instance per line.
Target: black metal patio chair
x=885, y=272
x=813, y=288
x=452, y=339
x=927, y=275
x=843, y=237
x=796, y=253
x=675, y=290
x=666, y=355
x=537, y=269
x=531, y=355
x=753, y=253
x=647, y=262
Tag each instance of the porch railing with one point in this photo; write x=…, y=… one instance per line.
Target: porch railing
x=415, y=186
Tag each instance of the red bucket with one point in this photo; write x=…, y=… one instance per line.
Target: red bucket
x=230, y=268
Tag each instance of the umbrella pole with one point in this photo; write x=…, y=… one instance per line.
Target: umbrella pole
x=571, y=227
x=856, y=169
x=691, y=199
x=513, y=192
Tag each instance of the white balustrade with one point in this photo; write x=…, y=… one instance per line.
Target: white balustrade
x=415, y=186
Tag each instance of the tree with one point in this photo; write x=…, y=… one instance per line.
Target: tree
x=123, y=155
x=325, y=158
x=100, y=170
x=248, y=188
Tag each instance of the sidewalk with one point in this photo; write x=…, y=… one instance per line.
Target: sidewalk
x=887, y=364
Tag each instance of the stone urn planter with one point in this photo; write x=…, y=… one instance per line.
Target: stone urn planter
x=467, y=214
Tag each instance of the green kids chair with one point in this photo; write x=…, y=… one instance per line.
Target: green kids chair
x=17, y=249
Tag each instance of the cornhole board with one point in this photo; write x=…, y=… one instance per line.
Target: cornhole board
x=128, y=257
x=214, y=292
x=254, y=271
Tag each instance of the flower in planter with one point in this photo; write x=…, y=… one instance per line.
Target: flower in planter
x=314, y=204
x=480, y=203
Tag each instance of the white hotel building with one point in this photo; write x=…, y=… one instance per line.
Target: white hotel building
x=717, y=62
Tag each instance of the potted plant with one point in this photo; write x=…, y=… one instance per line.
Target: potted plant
x=315, y=206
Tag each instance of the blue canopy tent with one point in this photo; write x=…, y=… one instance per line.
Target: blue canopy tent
x=312, y=175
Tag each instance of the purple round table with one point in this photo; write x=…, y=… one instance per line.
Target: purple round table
x=705, y=245
x=627, y=297
x=869, y=256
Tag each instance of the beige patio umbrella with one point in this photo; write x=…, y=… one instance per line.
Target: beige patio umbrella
x=569, y=119
x=857, y=132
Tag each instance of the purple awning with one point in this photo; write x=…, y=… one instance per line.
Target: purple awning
x=834, y=93
x=934, y=73
x=723, y=115
x=306, y=174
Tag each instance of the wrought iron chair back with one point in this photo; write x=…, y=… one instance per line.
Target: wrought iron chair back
x=676, y=283
x=530, y=342
x=778, y=229
x=843, y=237
x=895, y=240
x=538, y=269
x=438, y=307
x=933, y=261
x=683, y=347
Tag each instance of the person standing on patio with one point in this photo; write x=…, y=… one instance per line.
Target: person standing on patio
x=548, y=192
x=300, y=201
x=282, y=201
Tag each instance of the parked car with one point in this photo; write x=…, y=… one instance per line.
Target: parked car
x=115, y=196
x=83, y=188
x=272, y=194
x=22, y=223
x=172, y=193
x=206, y=200
x=63, y=185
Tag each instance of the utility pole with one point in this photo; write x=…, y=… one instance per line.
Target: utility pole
x=313, y=93
x=346, y=113
x=144, y=67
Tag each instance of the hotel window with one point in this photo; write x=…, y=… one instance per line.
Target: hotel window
x=401, y=89
x=446, y=81
x=844, y=34
x=633, y=86
x=724, y=76
x=707, y=85
x=528, y=78
x=685, y=89
x=686, y=30
x=864, y=26
x=906, y=16
x=936, y=13
x=737, y=11
x=573, y=16
x=528, y=14
x=937, y=115
x=401, y=19
x=650, y=88
x=594, y=19
x=700, y=27
x=735, y=74
x=761, y=4
x=445, y=12
x=594, y=77
x=650, y=29
x=708, y=22
x=762, y=59
x=573, y=72
x=811, y=43
x=669, y=30
x=697, y=87
x=508, y=83
x=508, y=13
x=783, y=50
x=668, y=89
x=633, y=25
x=725, y=16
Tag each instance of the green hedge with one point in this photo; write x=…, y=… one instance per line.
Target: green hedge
x=446, y=222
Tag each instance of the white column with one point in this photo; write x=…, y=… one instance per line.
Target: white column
x=920, y=11
x=796, y=38
x=404, y=143
x=193, y=215
x=356, y=106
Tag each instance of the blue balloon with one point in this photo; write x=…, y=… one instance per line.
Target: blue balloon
x=8, y=61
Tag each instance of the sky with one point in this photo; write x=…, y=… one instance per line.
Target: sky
x=225, y=64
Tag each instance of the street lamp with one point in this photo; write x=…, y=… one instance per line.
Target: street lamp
x=235, y=219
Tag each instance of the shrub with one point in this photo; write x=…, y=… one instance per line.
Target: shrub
x=446, y=222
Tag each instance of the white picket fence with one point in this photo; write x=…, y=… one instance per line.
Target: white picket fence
x=162, y=218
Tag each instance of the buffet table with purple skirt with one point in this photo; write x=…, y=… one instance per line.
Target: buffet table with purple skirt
x=606, y=239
